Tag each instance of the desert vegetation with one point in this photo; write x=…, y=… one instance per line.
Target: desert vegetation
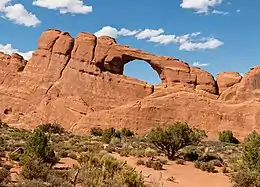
x=38, y=157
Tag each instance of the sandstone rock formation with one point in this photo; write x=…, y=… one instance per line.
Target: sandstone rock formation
x=80, y=84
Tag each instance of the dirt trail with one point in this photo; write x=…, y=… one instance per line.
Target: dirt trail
x=184, y=175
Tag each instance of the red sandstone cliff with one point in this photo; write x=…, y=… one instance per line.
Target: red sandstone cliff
x=80, y=84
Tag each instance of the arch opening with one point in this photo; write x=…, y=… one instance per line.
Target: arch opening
x=143, y=71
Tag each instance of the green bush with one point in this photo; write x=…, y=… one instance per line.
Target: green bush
x=246, y=171
x=32, y=183
x=108, y=134
x=205, y=166
x=126, y=133
x=96, y=131
x=38, y=146
x=227, y=137
x=173, y=138
x=7, y=167
x=54, y=128
x=190, y=155
x=140, y=162
x=108, y=172
x=34, y=168
x=73, y=156
x=63, y=153
x=15, y=156
x=157, y=165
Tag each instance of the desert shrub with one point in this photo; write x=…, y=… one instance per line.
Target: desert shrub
x=96, y=131
x=157, y=165
x=190, y=155
x=205, y=166
x=209, y=157
x=38, y=146
x=73, y=156
x=107, y=171
x=150, y=152
x=54, y=128
x=124, y=152
x=137, y=153
x=2, y=153
x=7, y=167
x=149, y=163
x=180, y=162
x=63, y=153
x=126, y=133
x=225, y=169
x=246, y=171
x=245, y=178
x=140, y=162
x=108, y=134
x=217, y=163
x=163, y=161
x=3, y=124
x=4, y=173
x=31, y=183
x=227, y=137
x=15, y=156
x=34, y=168
x=173, y=138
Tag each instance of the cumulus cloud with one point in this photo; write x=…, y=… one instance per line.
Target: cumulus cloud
x=208, y=43
x=188, y=42
x=114, y=33
x=18, y=14
x=148, y=33
x=164, y=39
x=8, y=49
x=65, y=6
x=198, y=64
x=201, y=6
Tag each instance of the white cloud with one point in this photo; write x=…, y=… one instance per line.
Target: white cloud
x=126, y=32
x=114, y=33
x=200, y=6
x=238, y=10
x=148, y=33
x=188, y=42
x=164, y=39
x=8, y=49
x=107, y=31
x=65, y=6
x=18, y=14
x=208, y=43
x=197, y=64
x=219, y=12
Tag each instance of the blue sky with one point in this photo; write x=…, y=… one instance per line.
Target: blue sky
x=219, y=35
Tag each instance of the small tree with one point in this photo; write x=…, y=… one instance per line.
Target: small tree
x=174, y=137
x=108, y=134
x=227, y=137
x=247, y=169
x=54, y=128
x=126, y=132
x=96, y=131
x=38, y=146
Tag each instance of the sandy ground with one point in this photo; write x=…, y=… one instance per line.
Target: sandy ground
x=184, y=175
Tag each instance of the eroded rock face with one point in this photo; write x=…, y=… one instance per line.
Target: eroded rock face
x=80, y=84
x=227, y=79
